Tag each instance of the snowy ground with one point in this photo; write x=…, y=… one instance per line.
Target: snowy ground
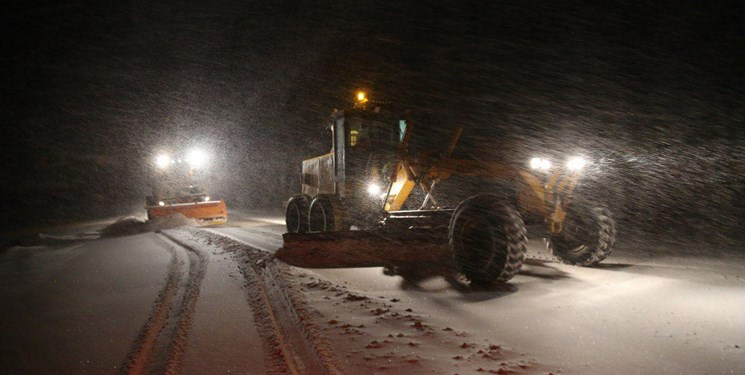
x=86, y=305
x=81, y=305
x=76, y=308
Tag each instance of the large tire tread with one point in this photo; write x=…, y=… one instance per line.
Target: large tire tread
x=297, y=209
x=606, y=232
x=504, y=222
x=328, y=210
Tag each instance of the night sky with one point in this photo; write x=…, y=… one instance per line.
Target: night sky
x=92, y=89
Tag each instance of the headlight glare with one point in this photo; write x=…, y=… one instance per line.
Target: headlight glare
x=162, y=161
x=576, y=163
x=196, y=158
x=373, y=189
x=540, y=164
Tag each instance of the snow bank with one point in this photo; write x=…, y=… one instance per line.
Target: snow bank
x=130, y=225
x=126, y=226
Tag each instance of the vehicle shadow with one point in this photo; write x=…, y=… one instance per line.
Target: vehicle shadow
x=466, y=292
x=471, y=293
x=612, y=266
x=542, y=269
x=418, y=279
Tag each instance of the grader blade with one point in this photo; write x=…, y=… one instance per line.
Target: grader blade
x=362, y=249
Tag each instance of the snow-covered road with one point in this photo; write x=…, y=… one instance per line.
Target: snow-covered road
x=636, y=313
x=138, y=304
x=77, y=309
x=83, y=306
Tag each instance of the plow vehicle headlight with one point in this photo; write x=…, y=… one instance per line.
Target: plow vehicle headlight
x=162, y=161
x=161, y=203
x=576, y=163
x=540, y=164
x=196, y=158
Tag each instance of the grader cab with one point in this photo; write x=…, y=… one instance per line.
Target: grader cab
x=350, y=210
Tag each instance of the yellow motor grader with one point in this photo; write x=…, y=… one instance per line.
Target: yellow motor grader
x=350, y=210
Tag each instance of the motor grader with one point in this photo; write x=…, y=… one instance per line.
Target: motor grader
x=350, y=209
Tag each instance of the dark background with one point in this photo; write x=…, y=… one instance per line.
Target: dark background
x=653, y=92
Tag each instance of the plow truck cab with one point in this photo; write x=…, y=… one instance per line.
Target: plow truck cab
x=179, y=187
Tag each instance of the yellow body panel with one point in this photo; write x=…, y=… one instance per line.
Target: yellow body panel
x=533, y=198
x=399, y=191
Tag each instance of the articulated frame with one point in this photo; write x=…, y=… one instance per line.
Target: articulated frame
x=549, y=199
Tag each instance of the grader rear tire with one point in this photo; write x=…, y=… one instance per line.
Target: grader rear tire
x=587, y=237
x=325, y=214
x=487, y=239
x=296, y=214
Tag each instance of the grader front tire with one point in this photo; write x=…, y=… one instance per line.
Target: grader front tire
x=587, y=237
x=487, y=239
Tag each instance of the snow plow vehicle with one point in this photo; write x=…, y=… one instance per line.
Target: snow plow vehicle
x=178, y=188
x=367, y=178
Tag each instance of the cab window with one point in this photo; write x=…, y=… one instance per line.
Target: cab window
x=364, y=132
x=401, y=130
x=354, y=126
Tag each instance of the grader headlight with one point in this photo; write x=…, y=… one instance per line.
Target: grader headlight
x=540, y=164
x=576, y=164
x=373, y=189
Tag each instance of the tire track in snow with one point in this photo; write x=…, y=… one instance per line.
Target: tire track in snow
x=162, y=341
x=292, y=344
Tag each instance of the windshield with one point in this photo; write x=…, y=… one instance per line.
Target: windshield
x=366, y=132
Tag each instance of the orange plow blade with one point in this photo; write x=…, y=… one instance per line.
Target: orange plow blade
x=208, y=213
